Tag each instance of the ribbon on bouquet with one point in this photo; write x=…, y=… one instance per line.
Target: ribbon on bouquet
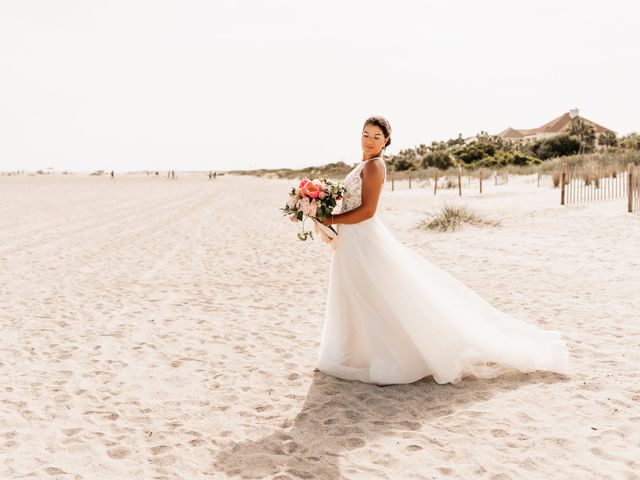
x=328, y=236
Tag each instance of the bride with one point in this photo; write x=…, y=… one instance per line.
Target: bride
x=393, y=317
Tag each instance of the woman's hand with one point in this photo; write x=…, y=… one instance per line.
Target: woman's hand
x=327, y=221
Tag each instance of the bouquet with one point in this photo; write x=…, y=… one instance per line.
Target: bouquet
x=314, y=199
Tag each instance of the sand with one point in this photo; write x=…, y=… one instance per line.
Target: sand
x=156, y=329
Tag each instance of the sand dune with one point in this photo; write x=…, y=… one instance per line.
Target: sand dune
x=156, y=329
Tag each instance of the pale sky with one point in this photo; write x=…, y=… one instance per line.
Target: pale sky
x=206, y=85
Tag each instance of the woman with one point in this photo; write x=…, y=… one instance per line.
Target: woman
x=394, y=317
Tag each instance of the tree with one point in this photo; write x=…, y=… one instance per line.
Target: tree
x=631, y=141
x=607, y=139
x=584, y=132
x=422, y=150
x=455, y=141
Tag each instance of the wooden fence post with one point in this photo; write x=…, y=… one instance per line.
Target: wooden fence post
x=459, y=181
x=409, y=181
x=636, y=189
x=393, y=174
x=563, y=177
x=538, y=178
x=480, y=180
x=435, y=183
x=630, y=188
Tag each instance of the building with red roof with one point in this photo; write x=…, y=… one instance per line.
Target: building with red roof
x=550, y=129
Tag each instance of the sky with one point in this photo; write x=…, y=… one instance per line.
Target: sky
x=222, y=85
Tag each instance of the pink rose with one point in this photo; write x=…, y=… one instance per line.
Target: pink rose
x=311, y=189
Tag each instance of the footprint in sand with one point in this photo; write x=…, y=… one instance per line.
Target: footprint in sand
x=300, y=473
x=118, y=452
x=159, y=459
x=163, y=461
x=157, y=450
x=54, y=471
x=354, y=443
x=445, y=470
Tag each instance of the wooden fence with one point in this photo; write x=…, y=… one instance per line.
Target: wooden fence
x=579, y=184
x=437, y=179
x=588, y=184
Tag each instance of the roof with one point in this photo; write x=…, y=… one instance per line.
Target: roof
x=557, y=125
x=511, y=133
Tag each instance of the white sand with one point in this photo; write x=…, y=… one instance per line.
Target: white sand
x=155, y=329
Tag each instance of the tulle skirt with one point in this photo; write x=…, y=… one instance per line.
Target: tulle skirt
x=394, y=317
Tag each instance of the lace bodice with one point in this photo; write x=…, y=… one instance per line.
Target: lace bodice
x=353, y=186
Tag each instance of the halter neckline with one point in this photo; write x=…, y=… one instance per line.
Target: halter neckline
x=373, y=158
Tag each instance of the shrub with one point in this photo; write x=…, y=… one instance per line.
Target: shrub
x=518, y=158
x=558, y=146
x=402, y=164
x=438, y=159
x=476, y=151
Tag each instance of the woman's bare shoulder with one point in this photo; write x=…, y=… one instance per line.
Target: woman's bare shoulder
x=373, y=168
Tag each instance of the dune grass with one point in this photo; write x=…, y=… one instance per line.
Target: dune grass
x=451, y=217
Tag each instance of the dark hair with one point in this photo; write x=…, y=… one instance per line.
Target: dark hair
x=384, y=125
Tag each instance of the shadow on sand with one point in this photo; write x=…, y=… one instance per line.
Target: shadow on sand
x=338, y=416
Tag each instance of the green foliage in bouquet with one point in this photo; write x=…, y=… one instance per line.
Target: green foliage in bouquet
x=304, y=201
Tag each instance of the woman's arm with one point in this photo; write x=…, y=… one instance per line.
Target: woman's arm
x=372, y=175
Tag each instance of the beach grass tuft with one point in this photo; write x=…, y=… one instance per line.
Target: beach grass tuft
x=451, y=217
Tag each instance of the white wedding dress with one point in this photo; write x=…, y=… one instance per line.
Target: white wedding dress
x=393, y=317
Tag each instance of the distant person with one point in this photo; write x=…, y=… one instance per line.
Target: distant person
x=111, y=173
x=157, y=173
x=214, y=175
x=210, y=175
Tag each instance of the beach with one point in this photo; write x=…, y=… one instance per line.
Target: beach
x=160, y=329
